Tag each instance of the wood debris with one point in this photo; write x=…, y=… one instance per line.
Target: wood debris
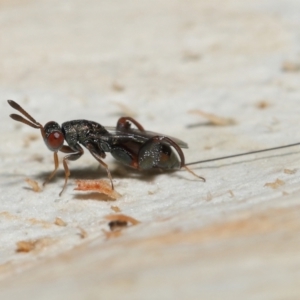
x=289, y=66
x=26, y=246
x=125, y=110
x=288, y=171
x=116, y=86
x=82, y=233
x=30, y=138
x=213, y=119
x=31, y=245
x=60, y=222
x=189, y=55
x=116, y=209
x=274, y=185
x=231, y=193
x=209, y=196
x=111, y=234
x=122, y=218
x=262, y=104
x=99, y=186
x=33, y=184
x=117, y=223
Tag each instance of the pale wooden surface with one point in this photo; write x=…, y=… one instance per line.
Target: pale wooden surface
x=232, y=237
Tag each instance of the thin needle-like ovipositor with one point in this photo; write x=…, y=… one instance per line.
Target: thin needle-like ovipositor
x=242, y=154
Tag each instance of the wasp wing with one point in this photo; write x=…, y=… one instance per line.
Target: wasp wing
x=139, y=136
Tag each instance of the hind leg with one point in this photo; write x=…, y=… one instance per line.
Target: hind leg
x=98, y=155
x=125, y=123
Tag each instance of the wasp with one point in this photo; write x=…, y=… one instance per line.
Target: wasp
x=133, y=147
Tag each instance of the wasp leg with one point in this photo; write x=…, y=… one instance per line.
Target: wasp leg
x=124, y=123
x=97, y=154
x=73, y=156
x=56, y=164
x=65, y=149
x=193, y=173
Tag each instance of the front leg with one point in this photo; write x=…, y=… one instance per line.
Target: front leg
x=65, y=149
x=56, y=164
x=72, y=156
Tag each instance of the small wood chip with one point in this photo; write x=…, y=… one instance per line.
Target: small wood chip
x=122, y=218
x=189, y=55
x=34, y=245
x=288, y=171
x=290, y=66
x=231, y=193
x=116, y=86
x=209, y=196
x=25, y=246
x=125, y=110
x=213, y=119
x=29, y=138
x=60, y=222
x=117, y=225
x=115, y=209
x=82, y=233
x=33, y=184
x=274, y=185
x=111, y=234
x=262, y=104
x=100, y=186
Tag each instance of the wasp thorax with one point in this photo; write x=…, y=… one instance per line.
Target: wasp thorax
x=54, y=138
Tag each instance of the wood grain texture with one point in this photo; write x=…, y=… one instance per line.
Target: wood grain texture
x=233, y=237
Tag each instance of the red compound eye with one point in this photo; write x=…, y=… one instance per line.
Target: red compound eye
x=55, y=140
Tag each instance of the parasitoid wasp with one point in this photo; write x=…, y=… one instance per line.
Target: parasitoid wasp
x=134, y=147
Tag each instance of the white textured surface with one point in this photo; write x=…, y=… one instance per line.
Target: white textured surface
x=62, y=61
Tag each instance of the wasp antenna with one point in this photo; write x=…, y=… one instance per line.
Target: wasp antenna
x=23, y=120
x=17, y=107
x=19, y=118
x=242, y=154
